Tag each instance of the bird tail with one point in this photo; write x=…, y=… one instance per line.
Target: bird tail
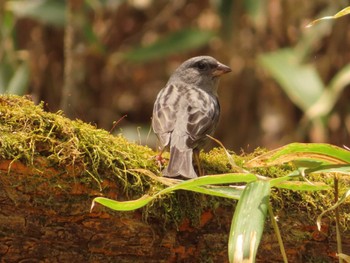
x=180, y=163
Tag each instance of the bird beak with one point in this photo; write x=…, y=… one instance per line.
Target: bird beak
x=220, y=70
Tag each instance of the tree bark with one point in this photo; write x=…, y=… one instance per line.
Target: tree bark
x=45, y=217
x=45, y=202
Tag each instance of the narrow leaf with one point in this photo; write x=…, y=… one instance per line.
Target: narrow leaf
x=341, y=13
x=301, y=83
x=122, y=206
x=306, y=152
x=191, y=185
x=341, y=169
x=221, y=191
x=19, y=81
x=330, y=96
x=303, y=186
x=248, y=222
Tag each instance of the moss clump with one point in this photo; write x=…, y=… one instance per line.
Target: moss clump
x=28, y=133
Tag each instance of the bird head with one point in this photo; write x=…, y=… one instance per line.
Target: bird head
x=203, y=71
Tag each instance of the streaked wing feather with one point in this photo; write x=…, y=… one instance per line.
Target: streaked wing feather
x=202, y=121
x=164, y=114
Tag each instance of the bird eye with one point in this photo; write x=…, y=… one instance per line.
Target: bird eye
x=201, y=65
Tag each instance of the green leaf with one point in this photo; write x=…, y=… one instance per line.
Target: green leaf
x=46, y=11
x=341, y=169
x=221, y=191
x=190, y=185
x=313, y=153
x=341, y=13
x=330, y=96
x=5, y=74
x=303, y=186
x=248, y=222
x=301, y=82
x=122, y=206
x=180, y=41
x=19, y=81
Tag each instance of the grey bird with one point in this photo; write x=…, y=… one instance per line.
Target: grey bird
x=185, y=111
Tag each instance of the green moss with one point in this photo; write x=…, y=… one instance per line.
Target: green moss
x=28, y=133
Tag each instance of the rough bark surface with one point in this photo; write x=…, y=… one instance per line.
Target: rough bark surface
x=45, y=217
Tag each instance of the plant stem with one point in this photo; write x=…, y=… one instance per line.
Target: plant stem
x=337, y=224
x=278, y=234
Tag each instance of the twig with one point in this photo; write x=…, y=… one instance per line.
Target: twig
x=278, y=234
x=337, y=224
x=116, y=123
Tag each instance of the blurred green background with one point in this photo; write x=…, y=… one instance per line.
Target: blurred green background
x=98, y=60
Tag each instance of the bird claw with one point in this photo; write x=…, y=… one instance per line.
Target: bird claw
x=159, y=160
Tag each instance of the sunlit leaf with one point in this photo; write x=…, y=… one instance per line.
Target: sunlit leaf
x=19, y=81
x=190, y=185
x=341, y=13
x=341, y=169
x=303, y=186
x=330, y=96
x=302, y=83
x=174, y=43
x=248, y=222
x=306, y=152
x=5, y=74
x=122, y=206
x=221, y=191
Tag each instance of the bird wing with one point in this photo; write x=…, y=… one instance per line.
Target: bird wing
x=164, y=114
x=203, y=116
x=184, y=114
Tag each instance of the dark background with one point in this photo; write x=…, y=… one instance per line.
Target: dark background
x=100, y=60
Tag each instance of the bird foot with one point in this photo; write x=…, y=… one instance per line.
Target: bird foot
x=160, y=160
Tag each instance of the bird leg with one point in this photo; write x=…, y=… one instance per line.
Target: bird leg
x=198, y=162
x=159, y=159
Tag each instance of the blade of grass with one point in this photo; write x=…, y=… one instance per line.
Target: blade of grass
x=278, y=234
x=183, y=185
x=341, y=13
x=248, y=222
x=312, y=152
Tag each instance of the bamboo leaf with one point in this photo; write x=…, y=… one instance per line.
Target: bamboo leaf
x=248, y=222
x=301, y=83
x=191, y=185
x=232, y=192
x=19, y=81
x=330, y=96
x=314, y=154
x=122, y=206
x=341, y=13
x=303, y=186
x=341, y=169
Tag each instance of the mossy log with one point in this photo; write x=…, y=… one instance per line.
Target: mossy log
x=52, y=167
